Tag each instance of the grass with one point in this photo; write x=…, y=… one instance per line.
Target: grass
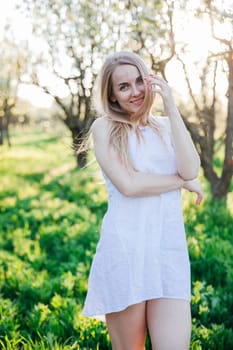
x=50, y=217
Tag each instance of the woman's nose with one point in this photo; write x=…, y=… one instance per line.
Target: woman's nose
x=135, y=90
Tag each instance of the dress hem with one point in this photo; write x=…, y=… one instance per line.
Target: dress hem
x=101, y=315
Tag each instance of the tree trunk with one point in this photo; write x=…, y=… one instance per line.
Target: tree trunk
x=1, y=131
x=79, y=146
x=219, y=190
x=81, y=159
x=6, y=127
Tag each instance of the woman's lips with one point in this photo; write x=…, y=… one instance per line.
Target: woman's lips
x=138, y=102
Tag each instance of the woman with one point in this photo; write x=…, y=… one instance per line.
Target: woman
x=140, y=275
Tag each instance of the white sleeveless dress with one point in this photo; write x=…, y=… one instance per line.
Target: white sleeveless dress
x=142, y=252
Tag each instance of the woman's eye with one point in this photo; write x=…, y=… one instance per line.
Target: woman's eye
x=123, y=87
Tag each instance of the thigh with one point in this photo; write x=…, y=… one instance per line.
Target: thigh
x=127, y=328
x=169, y=323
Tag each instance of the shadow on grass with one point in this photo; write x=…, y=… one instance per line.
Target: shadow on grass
x=38, y=143
x=33, y=178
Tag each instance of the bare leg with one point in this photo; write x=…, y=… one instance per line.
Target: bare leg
x=127, y=328
x=169, y=324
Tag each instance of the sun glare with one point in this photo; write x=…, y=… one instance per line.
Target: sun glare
x=35, y=96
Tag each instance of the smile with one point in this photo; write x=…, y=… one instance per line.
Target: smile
x=138, y=101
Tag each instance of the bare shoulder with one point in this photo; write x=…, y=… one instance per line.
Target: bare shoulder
x=100, y=123
x=100, y=127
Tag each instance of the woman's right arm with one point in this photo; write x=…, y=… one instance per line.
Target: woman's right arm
x=128, y=181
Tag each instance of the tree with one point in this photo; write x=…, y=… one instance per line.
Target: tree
x=154, y=31
x=9, y=82
x=75, y=37
x=206, y=107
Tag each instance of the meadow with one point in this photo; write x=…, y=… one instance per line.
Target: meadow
x=50, y=217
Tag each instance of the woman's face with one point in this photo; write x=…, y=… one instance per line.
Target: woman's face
x=128, y=88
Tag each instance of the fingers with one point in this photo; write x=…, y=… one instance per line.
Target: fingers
x=194, y=186
x=153, y=79
x=156, y=83
x=199, y=199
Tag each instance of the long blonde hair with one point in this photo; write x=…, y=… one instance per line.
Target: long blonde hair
x=121, y=122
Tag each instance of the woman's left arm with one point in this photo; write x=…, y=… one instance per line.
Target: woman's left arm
x=188, y=161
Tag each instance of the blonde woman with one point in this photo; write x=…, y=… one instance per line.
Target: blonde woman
x=140, y=274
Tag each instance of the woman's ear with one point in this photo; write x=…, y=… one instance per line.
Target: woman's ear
x=113, y=98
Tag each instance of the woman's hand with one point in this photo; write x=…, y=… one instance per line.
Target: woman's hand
x=158, y=85
x=194, y=186
x=187, y=158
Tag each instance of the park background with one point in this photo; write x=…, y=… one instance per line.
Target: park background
x=52, y=200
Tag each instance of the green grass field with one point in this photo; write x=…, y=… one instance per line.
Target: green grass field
x=50, y=216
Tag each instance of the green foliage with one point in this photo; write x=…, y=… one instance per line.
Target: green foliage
x=50, y=217
x=49, y=224
x=210, y=244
